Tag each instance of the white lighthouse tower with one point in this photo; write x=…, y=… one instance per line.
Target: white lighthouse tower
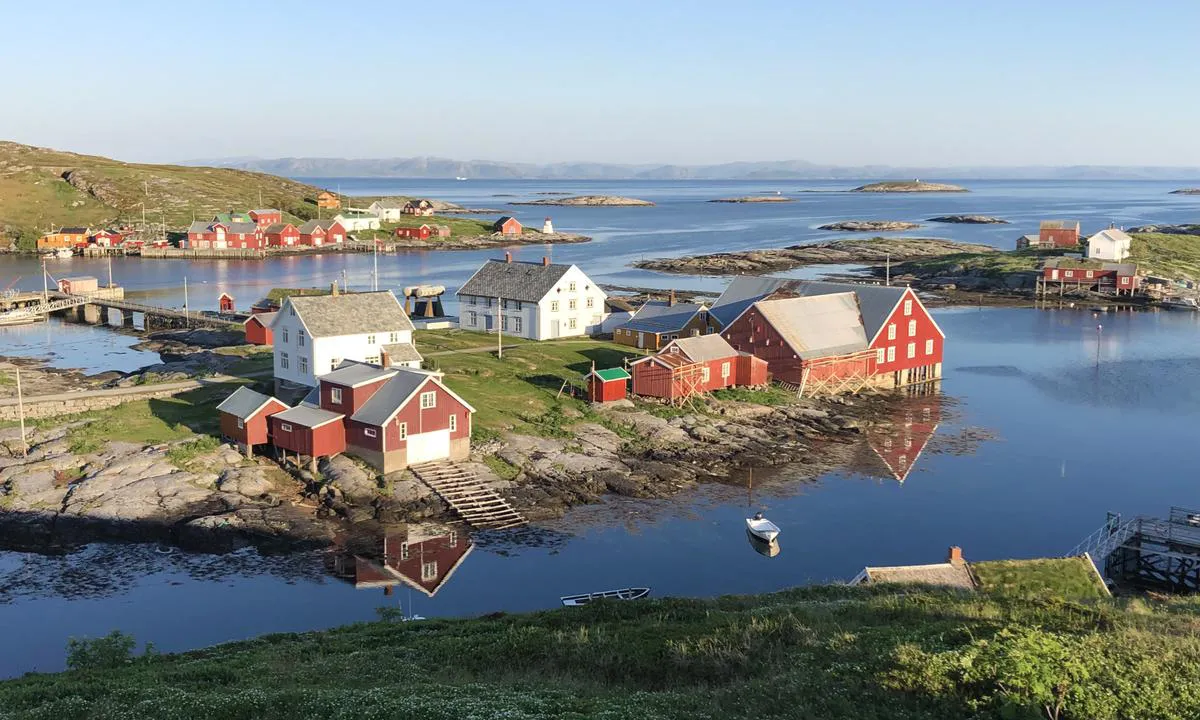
x=548, y=227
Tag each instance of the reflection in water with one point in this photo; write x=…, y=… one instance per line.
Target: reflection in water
x=423, y=557
x=762, y=547
x=892, y=448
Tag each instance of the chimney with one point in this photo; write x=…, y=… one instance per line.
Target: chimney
x=333, y=288
x=384, y=360
x=671, y=299
x=955, y=556
x=507, y=257
x=546, y=260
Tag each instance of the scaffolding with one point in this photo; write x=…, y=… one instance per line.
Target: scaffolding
x=852, y=381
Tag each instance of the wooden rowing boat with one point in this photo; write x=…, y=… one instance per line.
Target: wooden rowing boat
x=623, y=594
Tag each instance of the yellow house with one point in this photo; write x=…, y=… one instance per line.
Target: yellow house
x=67, y=237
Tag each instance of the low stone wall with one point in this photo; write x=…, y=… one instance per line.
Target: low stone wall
x=54, y=406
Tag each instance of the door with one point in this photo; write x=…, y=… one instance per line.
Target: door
x=429, y=446
x=554, y=328
x=641, y=340
x=488, y=322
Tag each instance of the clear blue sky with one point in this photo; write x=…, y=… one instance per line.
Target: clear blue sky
x=1055, y=82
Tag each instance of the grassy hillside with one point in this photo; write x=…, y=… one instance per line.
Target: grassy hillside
x=829, y=652
x=1171, y=256
x=40, y=188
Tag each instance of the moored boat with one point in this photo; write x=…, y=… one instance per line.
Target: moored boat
x=623, y=594
x=762, y=547
x=64, y=253
x=762, y=528
x=1181, y=303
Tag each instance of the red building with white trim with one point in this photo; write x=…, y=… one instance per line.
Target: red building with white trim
x=282, y=235
x=244, y=417
x=258, y=328
x=694, y=365
x=265, y=217
x=308, y=431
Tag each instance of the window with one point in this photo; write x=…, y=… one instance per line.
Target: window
x=553, y=306
x=571, y=287
x=704, y=374
x=1089, y=273
x=303, y=364
x=517, y=304
x=571, y=323
x=487, y=302
x=335, y=396
x=473, y=300
x=724, y=371
x=891, y=354
x=241, y=423
x=285, y=334
x=292, y=311
x=283, y=361
x=333, y=364
x=403, y=551
x=472, y=318
x=393, y=337
x=370, y=432
x=907, y=308
x=453, y=423
x=428, y=400
x=285, y=427
x=504, y=304
x=300, y=338
x=891, y=331
x=370, y=339
x=516, y=324
x=372, y=359
x=912, y=350
x=453, y=538
x=571, y=304
x=591, y=302
x=929, y=347
x=403, y=427
x=429, y=570
x=912, y=328
x=879, y=355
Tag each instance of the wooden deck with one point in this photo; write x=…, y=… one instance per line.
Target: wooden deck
x=476, y=503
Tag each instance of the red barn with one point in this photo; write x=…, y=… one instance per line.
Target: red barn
x=308, y=431
x=281, y=235
x=409, y=418
x=258, y=328
x=266, y=217
x=1058, y=233
x=225, y=302
x=418, y=233
x=316, y=233
x=507, y=225
x=244, y=417
x=690, y=366
x=900, y=331
x=819, y=339
x=606, y=385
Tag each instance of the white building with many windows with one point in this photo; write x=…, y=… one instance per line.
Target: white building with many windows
x=535, y=300
x=313, y=335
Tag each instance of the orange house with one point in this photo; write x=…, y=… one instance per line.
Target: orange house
x=67, y=237
x=507, y=225
x=328, y=200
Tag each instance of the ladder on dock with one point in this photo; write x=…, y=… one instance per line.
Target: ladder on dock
x=1110, y=536
x=479, y=505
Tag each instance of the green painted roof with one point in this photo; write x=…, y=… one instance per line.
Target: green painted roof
x=227, y=218
x=611, y=374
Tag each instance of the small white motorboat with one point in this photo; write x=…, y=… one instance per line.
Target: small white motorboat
x=1181, y=303
x=762, y=528
x=64, y=253
x=623, y=594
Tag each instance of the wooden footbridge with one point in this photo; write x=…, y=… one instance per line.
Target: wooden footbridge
x=476, y=503
x=95, y=307
x=1162, y=553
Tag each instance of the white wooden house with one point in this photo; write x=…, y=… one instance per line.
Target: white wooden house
x=535, y=300
x=388, y=209
x=1111, y=244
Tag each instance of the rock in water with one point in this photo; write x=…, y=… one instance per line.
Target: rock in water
x=870, y=225
x=969, y=219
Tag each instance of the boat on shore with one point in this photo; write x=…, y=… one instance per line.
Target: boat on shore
x=762, y=528
x=1186, y=304
x=623, y=594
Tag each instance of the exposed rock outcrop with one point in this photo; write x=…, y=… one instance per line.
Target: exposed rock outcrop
x=908, y=186
x=756, y=199
x=969, y=219
x=590, y=200
x=870, y=225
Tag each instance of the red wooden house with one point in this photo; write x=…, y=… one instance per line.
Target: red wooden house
x=222, y=235
x=225, y=302
x=900, y=331
x=1058, y=233
x=282, y=235
x=244, y=417
x=265, y=217
x=418, y=233
x=258, y=328
x=107, y=238
x=422, y=557
x=694, y=365
x=1091, y=275
x=308, y=431
x=898, y=444
x=245, y=236
x=607, y=385
x=507, y=225
x=316, y=233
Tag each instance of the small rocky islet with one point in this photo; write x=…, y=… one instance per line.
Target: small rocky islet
x=870, y=226
x=968, y=219
x=1186, y=191
x=589, y=200
x=907, y=186
x=755, y=199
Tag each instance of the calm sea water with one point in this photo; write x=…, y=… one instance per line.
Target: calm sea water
x=1044, y=424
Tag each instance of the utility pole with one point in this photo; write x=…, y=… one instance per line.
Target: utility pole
x=345, y=285
x=375, y=270
x=110, y=272
x=185, y=298
x=45, y=283
x=21, y=413
x=888, y=276
x=499, y=330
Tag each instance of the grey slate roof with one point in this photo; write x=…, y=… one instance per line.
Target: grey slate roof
x=659, y=316
x=308, y=416
x=818, y=326
x=242, y=227
x=524, y=281
x=875, y=302
x=264, y=318
x=354, y=314
x=276, y=227
x=243, y=402
x=312, y=398
x=74, y=230
x=390, y=203
x=387, y=399
x=263, y=211
x=350, y=373
x=1058, y=225
x=311, y=225
x=198, y=226
x=704, y=348
x=402, y=352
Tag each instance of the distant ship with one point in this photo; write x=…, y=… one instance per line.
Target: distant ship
x=459, y=178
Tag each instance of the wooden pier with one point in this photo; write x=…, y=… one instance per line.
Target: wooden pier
x=1149, y=552
x=476, y=503
x=93, y=308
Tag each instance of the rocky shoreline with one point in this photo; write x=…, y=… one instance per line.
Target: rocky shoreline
x=870, y=225
x=840, y=252
x=484, y=242
x=969, y=219
x=908, y=186
x=589, y=201
x=1186, y=191
x=755, y=199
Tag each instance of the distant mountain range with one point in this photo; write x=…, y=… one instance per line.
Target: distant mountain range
x=430, y=167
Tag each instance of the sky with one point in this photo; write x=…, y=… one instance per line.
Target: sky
x=846, y=82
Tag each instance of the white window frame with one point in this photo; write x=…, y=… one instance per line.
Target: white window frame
x=393, y=338
x=591, y=302
x=929, y=346
x=429, y=400
x=283, y=360
x=300, y=338
x=335, y=395
x=304, y=365
x=571, y=287
x=704, y=374
x=891, y=354
x=241, y=424
x=453, y=423
x=403, y=428
x=285, y=427
x=403, y=551
x=370, y=339
x=370, y=432
x=725, y=371
x=429, y=570
x=912, y=328
x=516, y=324
x=571, y=304
x=472, y=317
x=453, y=538
x=285, y=334
x=891, y=331
x=880, y=356
x=571, y=324
x=907, y=308
x=553, y=306
x=912, y=350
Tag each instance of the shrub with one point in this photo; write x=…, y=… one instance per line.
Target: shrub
x=113, y=650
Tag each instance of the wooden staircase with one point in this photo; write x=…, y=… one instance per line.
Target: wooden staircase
x=479, y=505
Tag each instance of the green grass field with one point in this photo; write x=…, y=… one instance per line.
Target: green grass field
x=1057, y=577
x=829, y=652
x=1171, y=256
x=148, y=422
